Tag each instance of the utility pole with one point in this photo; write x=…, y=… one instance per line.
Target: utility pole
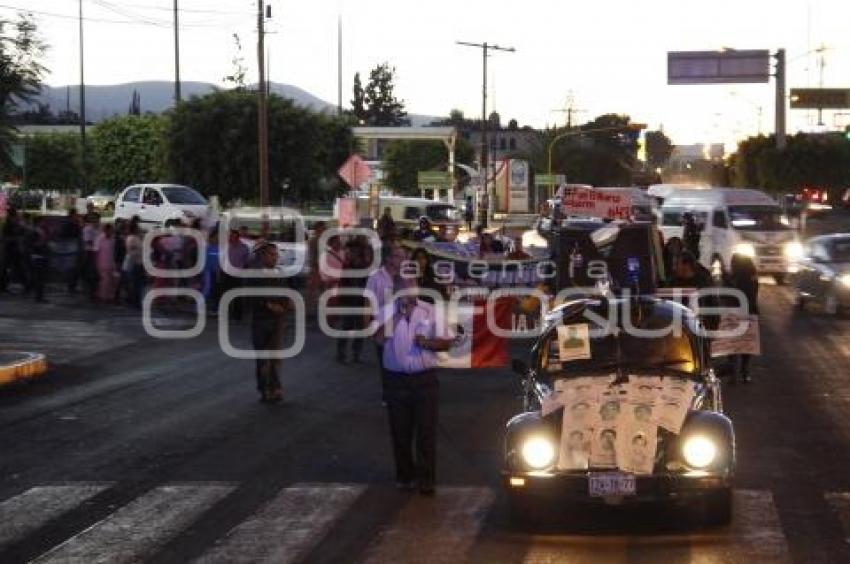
x=84, y=166
x=484, y=204
x=780, y=99
x=176, y=53
x=262, y=108
x=339, y=65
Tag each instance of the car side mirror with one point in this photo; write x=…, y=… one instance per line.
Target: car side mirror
x=519, y=367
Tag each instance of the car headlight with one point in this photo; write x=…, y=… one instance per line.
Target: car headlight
x=744, y=249
x=699, y=451
x=845, y=279
x=794, y=250
x=538, y=452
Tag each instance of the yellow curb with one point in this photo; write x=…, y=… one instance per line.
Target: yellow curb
x=24, y=365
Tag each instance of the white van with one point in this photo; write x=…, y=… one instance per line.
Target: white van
x=162, y=204
x=445, y=217
x=735, y=221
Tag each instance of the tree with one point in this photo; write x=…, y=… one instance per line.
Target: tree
x=606, y=155
x=21, y=73
x=236, y=78
x=129, y=149
x=53, y=161
x=358, y=103
x=135, y=104
x=659, y=148
x=821, y=160
x=403, y=160
x=376, y=104
x=212, y=145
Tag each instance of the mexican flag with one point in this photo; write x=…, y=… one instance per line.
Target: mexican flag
x=479, y=346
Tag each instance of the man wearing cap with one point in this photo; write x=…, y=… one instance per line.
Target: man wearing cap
x=267, y=322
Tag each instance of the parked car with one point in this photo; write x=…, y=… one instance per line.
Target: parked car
x=162, y=204
x=824, y=273
x=102, y=200
x=548, y=465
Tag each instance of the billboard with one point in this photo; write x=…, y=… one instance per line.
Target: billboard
x=519, y=181
x=718, y=67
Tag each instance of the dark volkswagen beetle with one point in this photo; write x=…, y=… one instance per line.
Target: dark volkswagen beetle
x=694, y=466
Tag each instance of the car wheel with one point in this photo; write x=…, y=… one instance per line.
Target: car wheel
x=779, y=279
x=717, y=508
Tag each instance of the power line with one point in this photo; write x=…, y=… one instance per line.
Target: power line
x=131, y=21
x=185, y=10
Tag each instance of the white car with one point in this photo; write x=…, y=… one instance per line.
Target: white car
x=162, y=204
x=103, y=200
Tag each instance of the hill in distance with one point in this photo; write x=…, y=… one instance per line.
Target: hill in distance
x=104, y=101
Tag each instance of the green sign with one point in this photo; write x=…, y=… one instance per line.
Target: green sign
x=434, y=178
x=549, y=179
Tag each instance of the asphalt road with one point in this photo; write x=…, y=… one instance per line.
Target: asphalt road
x=142, y=449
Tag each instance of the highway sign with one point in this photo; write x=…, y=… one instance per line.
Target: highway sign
x=549, y=179
x=820, y=98
x=718, y=67
x=431, y=178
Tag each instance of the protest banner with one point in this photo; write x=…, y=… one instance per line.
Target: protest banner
x=595, y=202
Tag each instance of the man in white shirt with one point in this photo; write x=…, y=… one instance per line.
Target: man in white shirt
x=380, y=286
x=410, y=340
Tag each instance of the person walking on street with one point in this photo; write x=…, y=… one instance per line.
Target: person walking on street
x=72, y=236
x=12, y=267
x=39, y=253
x=267, y=324
x=386, y=225
x=132, y=267
x=410, y=340
x=691, y=233
x=89, y=263
x=238, y=255
x=379, y=288
x=105, y=263
x=356, y=258
x=743, y=276
x=120, y=252
x=468, y=213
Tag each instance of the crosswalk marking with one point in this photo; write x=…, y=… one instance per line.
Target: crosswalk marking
x=27, y=512
x=840, y=503
x=434, y=530
x=136, y=529
x=289, y=525
x=755, y=535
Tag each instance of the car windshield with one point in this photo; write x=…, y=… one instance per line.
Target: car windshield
x=442, y=213
x=584, y=349
x=180, y=195
x=676, y=217
x=840, y=250
x=758, y=218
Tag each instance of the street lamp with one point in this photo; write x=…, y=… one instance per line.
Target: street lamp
x=627, y=127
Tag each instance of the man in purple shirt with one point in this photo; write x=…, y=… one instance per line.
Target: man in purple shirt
x=410, y=340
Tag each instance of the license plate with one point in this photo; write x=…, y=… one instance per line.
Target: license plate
x=611, y=484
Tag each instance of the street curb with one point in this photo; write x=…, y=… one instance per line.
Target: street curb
x=16, y=366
